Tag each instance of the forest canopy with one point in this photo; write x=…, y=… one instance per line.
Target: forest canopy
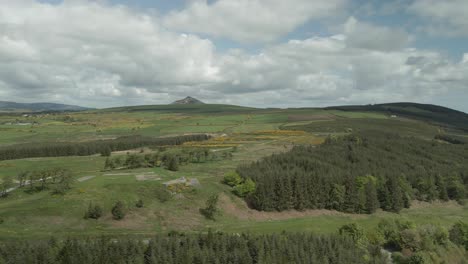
x=58, y=149
x=359, y=173
x=201, y=248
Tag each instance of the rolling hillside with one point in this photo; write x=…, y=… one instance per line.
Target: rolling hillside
x=426, y=112
x=57, y=166
x=38, y=107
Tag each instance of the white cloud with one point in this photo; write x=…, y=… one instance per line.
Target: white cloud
x=250, y=20
x=368, y=36
x=448, y=17
x=87, y=47
x=327, y=70
x=95, y=54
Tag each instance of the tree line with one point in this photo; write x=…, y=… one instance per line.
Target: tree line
x=411, y=243
x=167, y=159
x=58, y=180
x=359, y=173
x=58, y=149
x=181, y=248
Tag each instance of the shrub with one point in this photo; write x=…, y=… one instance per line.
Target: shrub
x=417, y=259
x=162, y=194
x=355, y=232
x=459, y=234
x=139, y=203
x=172, y=163
x=244, y=189
x=410, y=239
x=232, y=179
x=118, y=211
x=94, y=212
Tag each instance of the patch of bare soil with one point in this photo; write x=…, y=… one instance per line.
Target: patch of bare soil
x=118, y=174
x=85, y=178
x=148, y=176
x=243, y=212
x=132, y=151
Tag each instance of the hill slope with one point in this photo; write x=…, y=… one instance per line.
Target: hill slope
x=426, y=112
x=37, y=107
x=184, y=108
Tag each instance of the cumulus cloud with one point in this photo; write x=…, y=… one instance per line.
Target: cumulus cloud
x=443, y=17
x=95, y=54
x=250, y=20
x=368, y=36
x=87, y=47
x=326, y=70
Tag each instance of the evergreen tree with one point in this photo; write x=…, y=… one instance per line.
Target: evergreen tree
x=337, y=197
x=351, y=203
x=211, y=209
x=442, y=188
x=396, y=196
x=109, y=164
x=93, y=211
x=173, y=163
x=372, y=201
x=5, y=185
x=402, y=165
x=118, y=211
x=106, y=152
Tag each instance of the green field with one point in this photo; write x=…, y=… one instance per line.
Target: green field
x=255, y=133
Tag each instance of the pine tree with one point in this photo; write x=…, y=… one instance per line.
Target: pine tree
x=109, y=164
x=211, y=209
x=351, y=203
x=442, y=188
x=299, y=194
x=396, y=196
x=93, y=211
x=372, y=202
x=173, y=163
x=118, y=211
x=6, y=184
x=337, y=197
x=106, y=152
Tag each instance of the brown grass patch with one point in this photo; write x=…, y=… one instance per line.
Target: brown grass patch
x=239, y=209
x=189, y=220
x=421, y=204
x=133, y=221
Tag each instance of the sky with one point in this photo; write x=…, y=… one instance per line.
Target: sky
x=262, y=53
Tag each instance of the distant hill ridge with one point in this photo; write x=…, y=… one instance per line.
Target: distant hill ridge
x=188, y=100
x=427, y=112
x=37, y=107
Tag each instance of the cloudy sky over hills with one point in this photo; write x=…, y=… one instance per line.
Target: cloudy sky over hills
x=247, y=52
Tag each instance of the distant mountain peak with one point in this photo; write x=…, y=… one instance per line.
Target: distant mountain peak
x=188, y=100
